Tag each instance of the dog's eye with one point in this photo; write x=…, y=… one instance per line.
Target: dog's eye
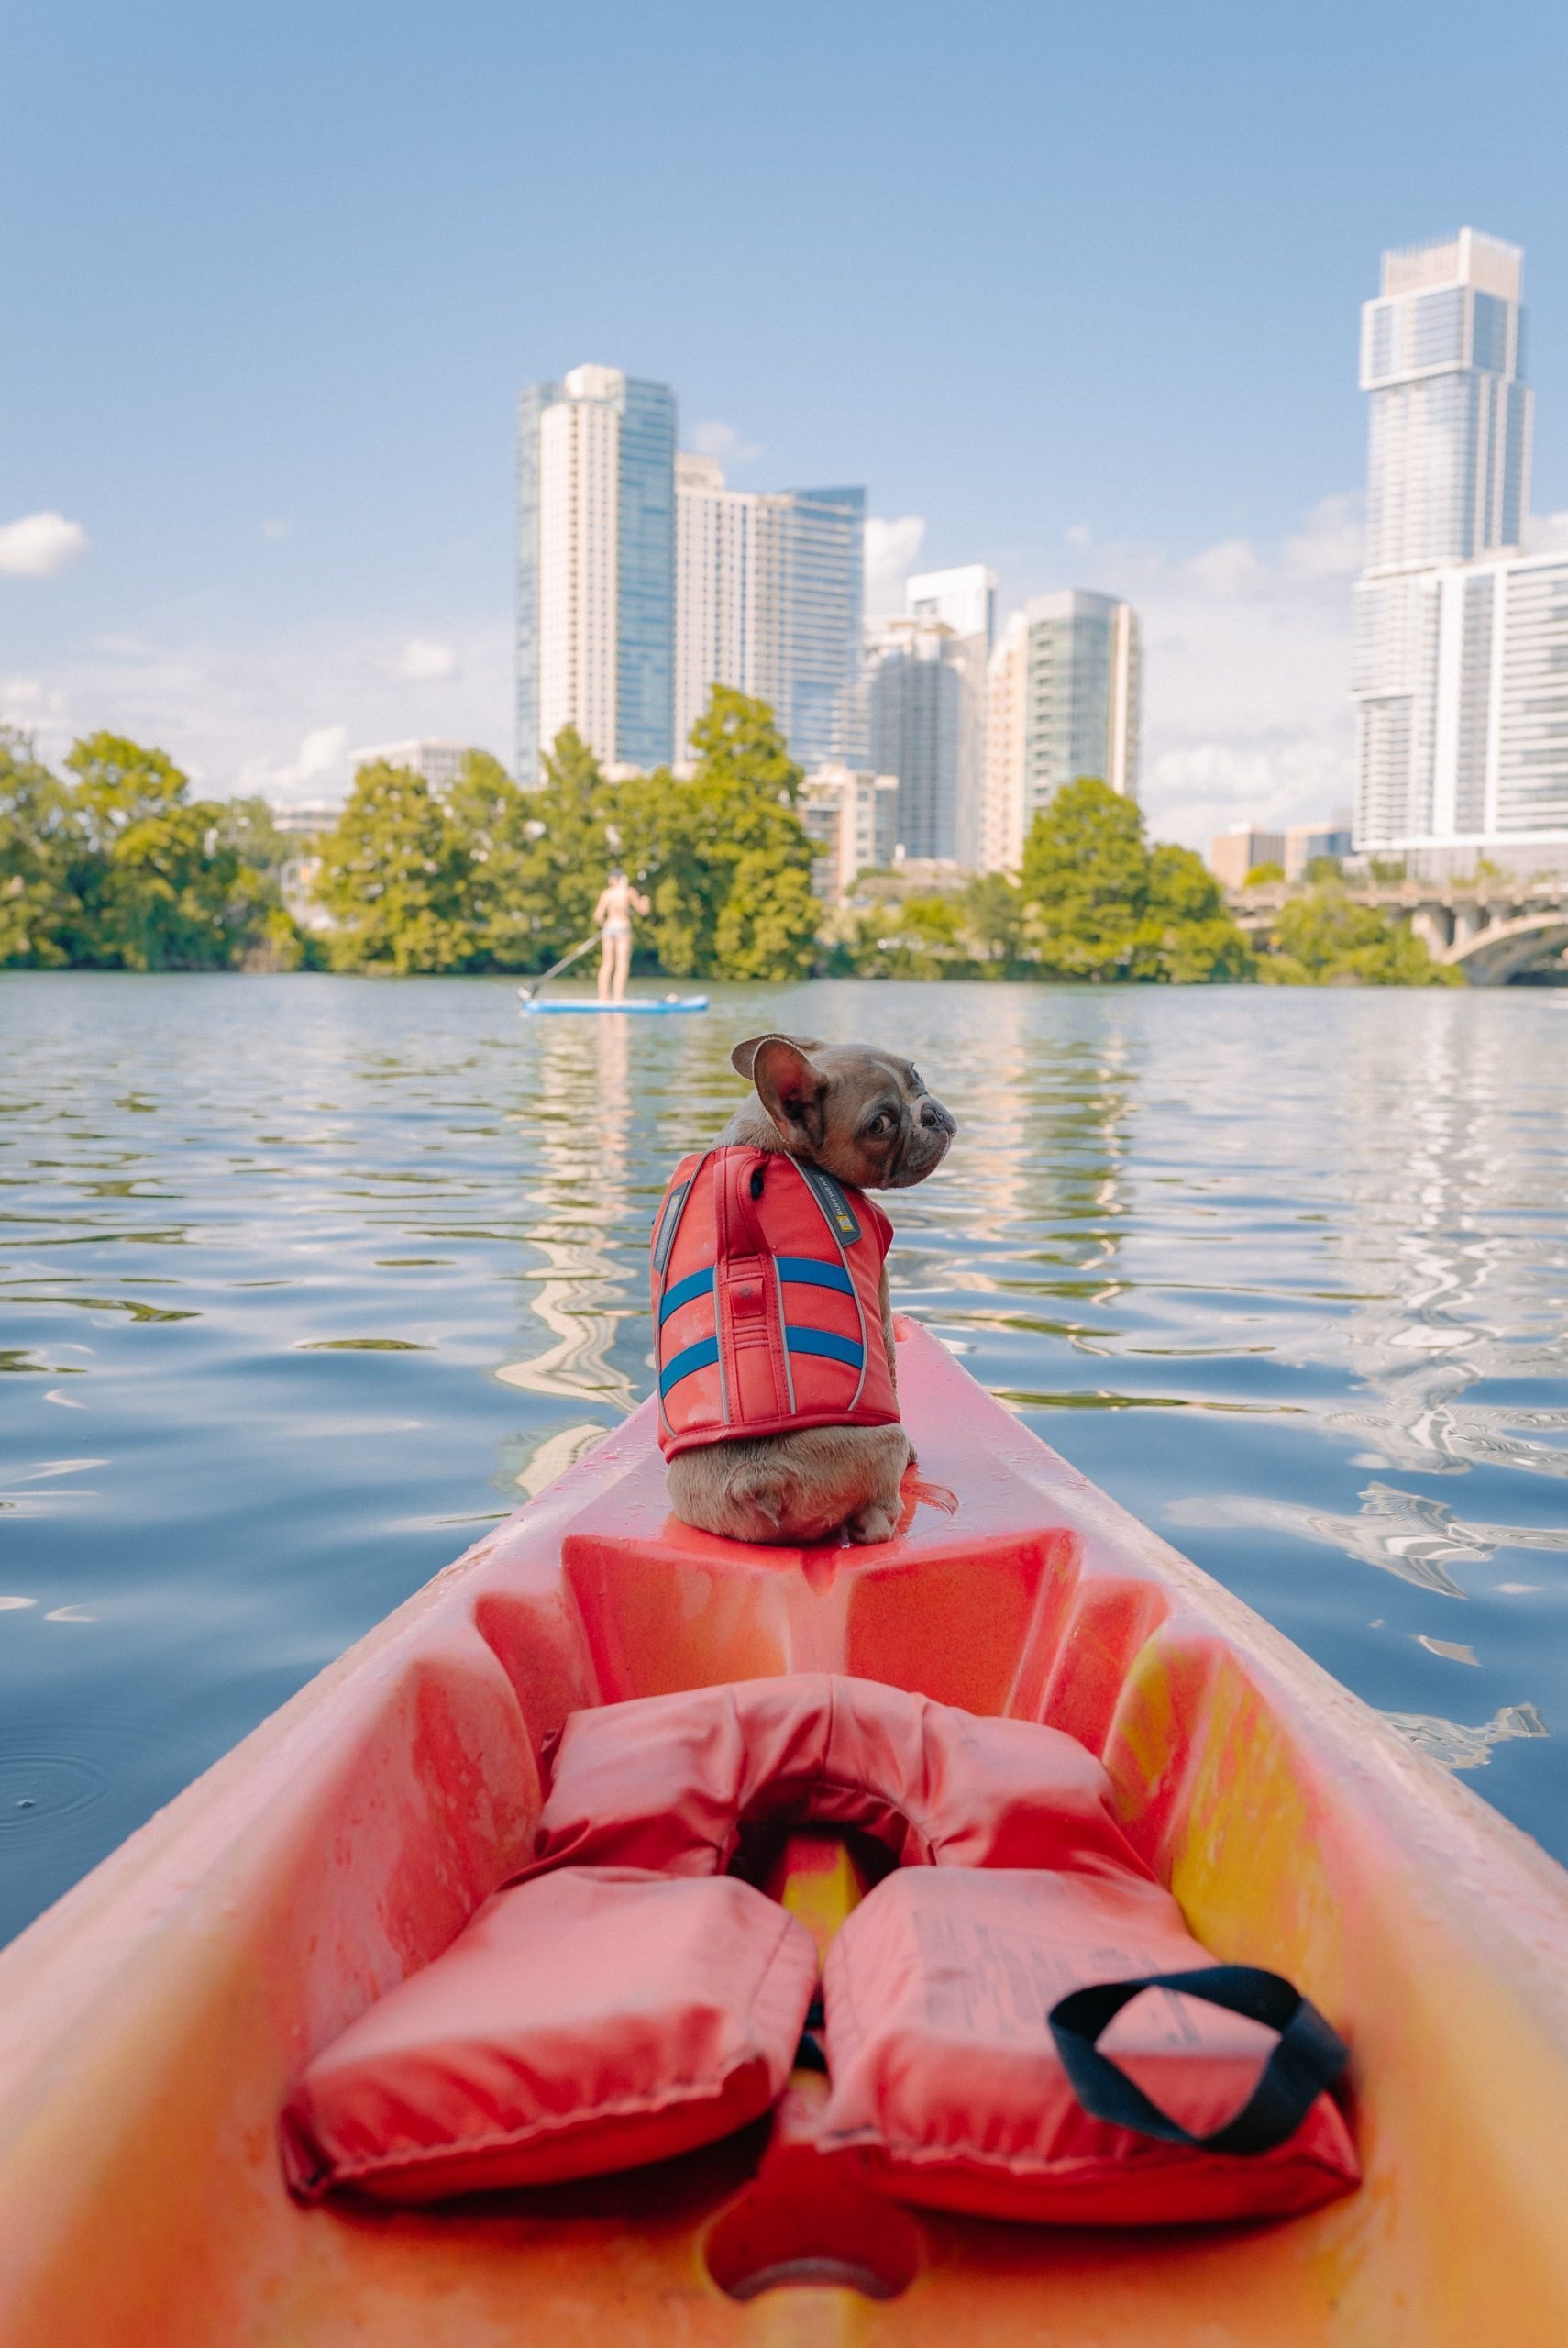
x=881, y=1124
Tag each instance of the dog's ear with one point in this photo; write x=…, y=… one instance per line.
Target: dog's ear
x=792, y=1088
x=742, y=1059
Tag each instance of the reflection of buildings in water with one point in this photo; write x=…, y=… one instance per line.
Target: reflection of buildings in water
x=1443, y=1246
x=1039, y=1176
x=576, y=1199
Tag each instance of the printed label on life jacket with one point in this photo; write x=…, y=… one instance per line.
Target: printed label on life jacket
x=830, y=1197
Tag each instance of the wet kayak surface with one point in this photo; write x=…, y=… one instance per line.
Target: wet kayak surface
x=303, y=1280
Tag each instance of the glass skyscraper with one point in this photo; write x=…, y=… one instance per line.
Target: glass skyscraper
x=770, y=601
x=596, y=567
x=914, y=705
x=820, y=588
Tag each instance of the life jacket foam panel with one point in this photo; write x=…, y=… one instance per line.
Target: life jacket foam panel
x=948, y=2089
x=595, y=2020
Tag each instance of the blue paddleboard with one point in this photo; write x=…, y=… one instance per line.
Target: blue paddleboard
x=642, y=1005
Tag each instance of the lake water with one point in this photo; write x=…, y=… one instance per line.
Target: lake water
x=303, y=1280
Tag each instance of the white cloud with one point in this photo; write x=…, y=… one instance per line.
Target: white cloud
x=1230, y=568
x=276, y=530
x=723, y=441
x=1247, y=715
x=272, y=714
x=1331, y=542
x=38, y=545
x=1548, y=533
x=426, y=663
x=318, y=760
x=1078, y=535
x=893, y=549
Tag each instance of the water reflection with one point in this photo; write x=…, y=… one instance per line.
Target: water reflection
x=324, y=1269
x=576, y=1131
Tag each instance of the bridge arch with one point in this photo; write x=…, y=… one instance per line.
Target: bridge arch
x=1504, y=950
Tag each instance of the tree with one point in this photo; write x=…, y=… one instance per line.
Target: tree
x=921, y=939
x=724, y=857
x=395, y=875
x=164, y=887
x=1186, y=934
x=41, y=848
x=993, y=924
x=1270, y=873
x=1098, y=903
x=1324, y=937
x=569, y=853
x=499, y=838
x=1083, y=882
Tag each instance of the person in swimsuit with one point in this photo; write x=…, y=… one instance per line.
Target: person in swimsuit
x=618, y=901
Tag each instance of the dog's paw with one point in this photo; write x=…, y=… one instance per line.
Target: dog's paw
x=873, y=1522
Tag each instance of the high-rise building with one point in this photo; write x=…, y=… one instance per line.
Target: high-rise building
x=851, y=819
x=915, y=691
x=596, y=567
x=716, y=587
x=440, y=763
x=1461, y=657
x=769, y=599
x=1441, y=358
x=1063, y=702
x=965, y=599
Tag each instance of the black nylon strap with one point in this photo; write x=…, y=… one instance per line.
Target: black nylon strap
x=1307, y=2058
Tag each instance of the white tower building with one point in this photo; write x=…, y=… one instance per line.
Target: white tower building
x=595, y=566
x=1064, y=693
x=1461, y=661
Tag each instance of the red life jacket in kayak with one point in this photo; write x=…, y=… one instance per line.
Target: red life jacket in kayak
x=767, y=1300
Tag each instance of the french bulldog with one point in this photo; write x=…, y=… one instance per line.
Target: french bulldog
x=865, y=1116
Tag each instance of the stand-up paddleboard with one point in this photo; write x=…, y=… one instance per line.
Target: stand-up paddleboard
x=642, y=1005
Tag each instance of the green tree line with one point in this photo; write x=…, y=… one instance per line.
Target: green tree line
x=114, y=864
x=1096, y=900
x=486, y=876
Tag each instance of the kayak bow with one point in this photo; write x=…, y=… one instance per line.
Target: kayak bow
x=153, y=2024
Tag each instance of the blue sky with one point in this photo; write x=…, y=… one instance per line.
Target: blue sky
x=1072, y=290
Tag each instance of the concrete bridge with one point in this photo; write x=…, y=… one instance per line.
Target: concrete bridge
x=1497, y=931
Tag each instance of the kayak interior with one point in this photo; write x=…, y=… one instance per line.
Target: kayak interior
x=152, y=2024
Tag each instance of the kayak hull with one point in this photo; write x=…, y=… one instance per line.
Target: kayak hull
x=153, y=2023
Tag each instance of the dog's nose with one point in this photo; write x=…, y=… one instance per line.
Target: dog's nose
x=934, y=1115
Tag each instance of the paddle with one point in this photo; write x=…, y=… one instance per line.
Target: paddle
x=528, y=994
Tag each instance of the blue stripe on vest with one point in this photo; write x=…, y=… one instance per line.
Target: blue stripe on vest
x=811, y=1272
x=702, y=1355
x=694, y=1284
x=820, y=1341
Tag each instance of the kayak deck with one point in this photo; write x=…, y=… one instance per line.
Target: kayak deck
x=152, y=2022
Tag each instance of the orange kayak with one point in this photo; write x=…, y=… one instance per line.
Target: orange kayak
x=153, y=2024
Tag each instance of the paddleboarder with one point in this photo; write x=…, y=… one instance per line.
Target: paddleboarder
x=618, y=901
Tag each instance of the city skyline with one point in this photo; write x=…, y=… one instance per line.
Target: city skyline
x=256, y=481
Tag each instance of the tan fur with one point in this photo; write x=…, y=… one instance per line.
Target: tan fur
x=867, y=1117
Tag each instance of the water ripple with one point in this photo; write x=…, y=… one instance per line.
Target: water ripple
x=1289, y=1276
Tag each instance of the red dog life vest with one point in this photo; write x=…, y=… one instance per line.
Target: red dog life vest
x=766, y=1286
